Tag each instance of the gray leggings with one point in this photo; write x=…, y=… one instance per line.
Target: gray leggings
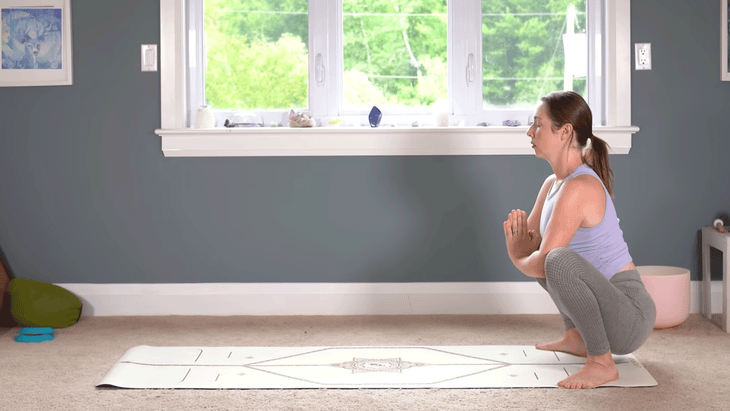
x=616, y=314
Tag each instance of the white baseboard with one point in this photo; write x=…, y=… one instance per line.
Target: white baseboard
x=328, y=298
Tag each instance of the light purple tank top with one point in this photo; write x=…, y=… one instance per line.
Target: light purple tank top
x=602, y=245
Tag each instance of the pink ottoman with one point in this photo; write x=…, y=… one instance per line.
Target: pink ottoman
x=669, y=287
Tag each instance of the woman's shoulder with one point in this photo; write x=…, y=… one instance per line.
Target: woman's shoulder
x=588, y=186
x=547, y=186
x=550, y=180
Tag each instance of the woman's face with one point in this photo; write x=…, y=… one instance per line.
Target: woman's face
x=541, y=132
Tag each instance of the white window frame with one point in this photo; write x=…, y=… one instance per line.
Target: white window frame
x=178, y=140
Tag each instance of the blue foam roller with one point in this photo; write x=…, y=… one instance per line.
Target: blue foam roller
x=36, y=330
x=33, y=338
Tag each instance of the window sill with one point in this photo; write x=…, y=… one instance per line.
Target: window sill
x=364, y=141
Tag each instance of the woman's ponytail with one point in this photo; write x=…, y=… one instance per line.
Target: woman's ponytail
x=598, y=156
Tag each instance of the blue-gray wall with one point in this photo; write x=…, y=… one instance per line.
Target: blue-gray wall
x=87, y=195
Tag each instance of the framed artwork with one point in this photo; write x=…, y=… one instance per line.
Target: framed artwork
x=36, y=43
x=724, y=32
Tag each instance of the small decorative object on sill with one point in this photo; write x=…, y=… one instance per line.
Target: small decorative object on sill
x=511, y=123
x=335, y=122
x=415, y=124
x=300, y=120
x=244, y=120
x=483, y=124
x=204, y=118
x=441, y=113
x=375, y=116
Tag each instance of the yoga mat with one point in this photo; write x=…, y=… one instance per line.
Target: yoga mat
x=491, y=366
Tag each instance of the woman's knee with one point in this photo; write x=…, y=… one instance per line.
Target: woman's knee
x=558, y=261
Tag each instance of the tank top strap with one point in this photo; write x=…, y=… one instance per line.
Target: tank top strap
x=586, y=169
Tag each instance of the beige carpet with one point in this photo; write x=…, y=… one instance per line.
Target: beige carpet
x=690, y=362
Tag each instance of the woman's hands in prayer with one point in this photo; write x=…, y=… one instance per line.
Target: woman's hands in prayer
x=520, y=242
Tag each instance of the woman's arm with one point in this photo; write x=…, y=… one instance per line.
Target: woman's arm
x=533, y=221
x=532, y=228
x=523, y=245
x=564, y=222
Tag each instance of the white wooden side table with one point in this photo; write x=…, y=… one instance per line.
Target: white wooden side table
x=721, y=241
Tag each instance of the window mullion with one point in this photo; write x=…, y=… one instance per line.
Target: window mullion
x=172, y=64
x=618, y=62
x=336, y=58
x=465, y=59
x=325, y=17
x=195, y=58
x=596, y=63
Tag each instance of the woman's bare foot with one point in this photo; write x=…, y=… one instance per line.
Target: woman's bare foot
x=599, y=369
x=572, y=343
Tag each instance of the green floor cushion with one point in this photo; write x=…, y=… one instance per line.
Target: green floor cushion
x=38, y=304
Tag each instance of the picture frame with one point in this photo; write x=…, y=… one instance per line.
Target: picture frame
x=36, y=43
x=725, y=46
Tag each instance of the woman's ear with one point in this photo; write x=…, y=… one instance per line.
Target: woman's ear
x=566, y=131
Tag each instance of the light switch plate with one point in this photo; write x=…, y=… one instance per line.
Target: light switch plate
x=149, y=57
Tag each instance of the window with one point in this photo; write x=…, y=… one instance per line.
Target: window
x=253, y=54
x=488, y=61
x=394, y=54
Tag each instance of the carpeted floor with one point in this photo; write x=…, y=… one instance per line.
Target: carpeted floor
x=690, y=362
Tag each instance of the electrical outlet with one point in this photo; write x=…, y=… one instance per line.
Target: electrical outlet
x=642, y=53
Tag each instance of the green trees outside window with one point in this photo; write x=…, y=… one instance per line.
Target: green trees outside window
x=395, y=52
